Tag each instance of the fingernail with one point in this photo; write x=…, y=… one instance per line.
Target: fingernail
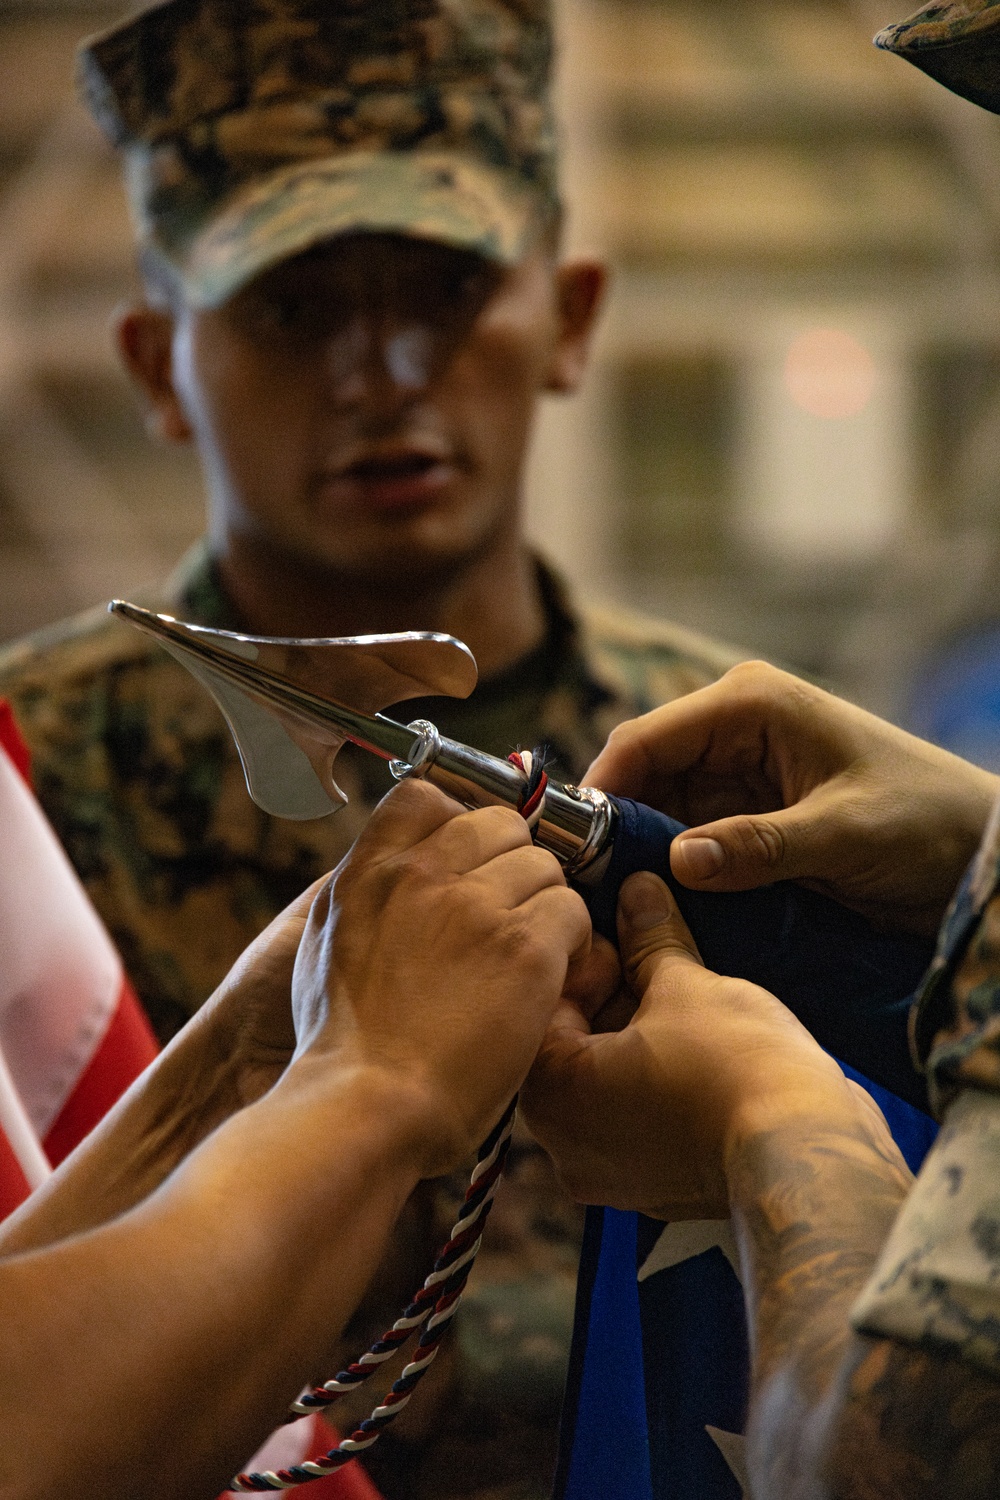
x=702, y=858
x=644, y=902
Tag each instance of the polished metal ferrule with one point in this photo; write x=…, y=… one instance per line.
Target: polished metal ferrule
x=576, y=825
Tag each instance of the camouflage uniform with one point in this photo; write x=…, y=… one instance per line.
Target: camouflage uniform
x=138, y=773
x=937, y=1284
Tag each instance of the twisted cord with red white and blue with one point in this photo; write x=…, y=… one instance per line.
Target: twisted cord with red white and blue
x=436, y=1303
x=532, y=763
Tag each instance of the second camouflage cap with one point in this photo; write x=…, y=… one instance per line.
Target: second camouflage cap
x=253, y=129
x=958, y=45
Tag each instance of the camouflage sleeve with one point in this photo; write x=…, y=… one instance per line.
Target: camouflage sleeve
x=937, y=1284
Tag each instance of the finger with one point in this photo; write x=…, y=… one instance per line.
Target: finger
x=641, y=753
x=513, y=877
x=567, y=1027
x=593, y=980
x=651, y=930
x=411, y=812
x=557, y=1067
x=741, y=853
x=729, y=713
x=563, y=921
x=563, y=1099
x=472, y=839
x=617, y=1013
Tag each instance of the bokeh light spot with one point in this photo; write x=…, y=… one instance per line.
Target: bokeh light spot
x=829, y=374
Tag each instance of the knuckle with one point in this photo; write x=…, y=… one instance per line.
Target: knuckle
x=509, y=823
x=413, y=792
x=759, y=683
x=801, y=697
x=418, y=870
x=765, y=841
x=622, y=734
x=659, y=944
x=642, y=968
x=359, y=884
x=752, y=675
x=495, y=829
x=347, y=877
x=627, y=742
x=544, y=865
x=574, y=1179
x=421, y=801
x=528, y=943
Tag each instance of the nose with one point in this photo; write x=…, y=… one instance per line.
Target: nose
x=380, y=361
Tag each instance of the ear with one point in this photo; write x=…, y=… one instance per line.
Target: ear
x=580, y=288
x=144, y=338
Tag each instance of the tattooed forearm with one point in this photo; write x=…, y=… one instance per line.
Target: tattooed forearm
x=812, y=1206
x=835, y=1416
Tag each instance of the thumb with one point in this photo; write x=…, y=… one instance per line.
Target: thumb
x=739, y=854
x=651, y=930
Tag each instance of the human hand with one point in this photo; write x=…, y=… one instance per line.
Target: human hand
x=647, y=1117
x=433, y=961
x=782, y=781
x=248, y=1020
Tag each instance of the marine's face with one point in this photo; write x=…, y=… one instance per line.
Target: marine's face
x=366, y=407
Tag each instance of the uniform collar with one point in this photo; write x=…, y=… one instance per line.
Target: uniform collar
x=197, y=592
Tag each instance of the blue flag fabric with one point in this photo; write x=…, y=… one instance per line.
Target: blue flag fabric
x=850, y=984
x=657, y=1394
x=658, y=1381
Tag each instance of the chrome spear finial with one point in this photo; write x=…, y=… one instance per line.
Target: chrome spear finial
x=292, y=704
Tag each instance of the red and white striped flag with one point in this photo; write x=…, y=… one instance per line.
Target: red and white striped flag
x=73, y=1037
x=72, y=1034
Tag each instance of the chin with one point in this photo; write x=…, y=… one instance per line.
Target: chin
x=408, y=559
x=410, y=570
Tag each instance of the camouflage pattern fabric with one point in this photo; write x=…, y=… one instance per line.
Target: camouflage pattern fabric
x=955, y=1026
x=137, y=771
x=252, y=132
x=938, y=1279
x=957, y=45
x=937, y=1283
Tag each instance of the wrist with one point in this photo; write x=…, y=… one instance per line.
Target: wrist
x=391, y=1106
x=798, y=1096
x=833, y=1130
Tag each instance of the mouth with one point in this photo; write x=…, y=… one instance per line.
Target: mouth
x=399, y=480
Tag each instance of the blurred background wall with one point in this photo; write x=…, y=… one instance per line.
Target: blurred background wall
x=791, y=436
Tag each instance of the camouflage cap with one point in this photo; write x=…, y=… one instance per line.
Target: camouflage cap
x=254, y=129
x=958, y=45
